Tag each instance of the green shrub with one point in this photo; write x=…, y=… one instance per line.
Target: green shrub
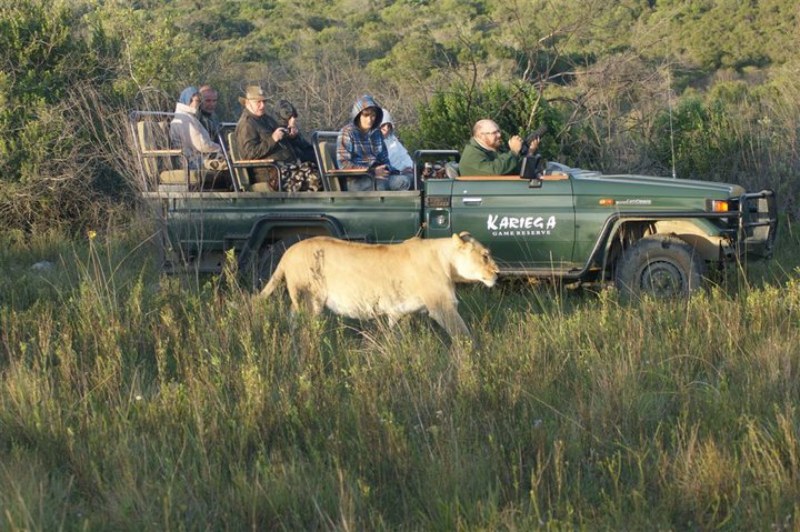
x=65, y=89
x=446, y=121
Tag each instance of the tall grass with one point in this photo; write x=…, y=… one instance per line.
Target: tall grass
x=130, y=401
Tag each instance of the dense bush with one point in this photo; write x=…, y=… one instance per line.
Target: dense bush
x=734, y=133
x=42, y=60
x=51, y=85
x=64, y=86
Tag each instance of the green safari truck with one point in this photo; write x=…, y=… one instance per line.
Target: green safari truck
x=645, y=234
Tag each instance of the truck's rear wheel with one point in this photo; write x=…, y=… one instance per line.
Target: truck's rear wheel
x=269, y=258
x=661, y=266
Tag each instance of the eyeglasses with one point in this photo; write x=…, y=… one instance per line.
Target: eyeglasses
x=495, y=132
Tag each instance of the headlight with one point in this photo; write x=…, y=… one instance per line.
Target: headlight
x=717, y=206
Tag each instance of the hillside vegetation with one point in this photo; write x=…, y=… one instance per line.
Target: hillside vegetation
x=708, y=88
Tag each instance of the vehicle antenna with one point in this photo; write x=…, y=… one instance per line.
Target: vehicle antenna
x=671, y=132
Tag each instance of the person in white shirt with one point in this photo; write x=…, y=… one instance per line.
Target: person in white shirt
x=188, y=133
x=398, y=155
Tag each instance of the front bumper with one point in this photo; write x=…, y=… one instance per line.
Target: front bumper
x=757, y=224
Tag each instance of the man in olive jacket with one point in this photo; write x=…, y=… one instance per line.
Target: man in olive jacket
x=484, y=154
x=258, y=135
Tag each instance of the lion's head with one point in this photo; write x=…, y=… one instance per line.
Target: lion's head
x=471, y=261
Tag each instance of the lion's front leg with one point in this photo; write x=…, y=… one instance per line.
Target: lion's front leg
x=448, y=317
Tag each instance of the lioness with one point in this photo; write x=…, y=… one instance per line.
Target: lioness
x=363, y=281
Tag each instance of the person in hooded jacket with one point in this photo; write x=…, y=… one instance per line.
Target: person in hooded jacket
x=398, y=154
x=360, y=146
x=186, y=131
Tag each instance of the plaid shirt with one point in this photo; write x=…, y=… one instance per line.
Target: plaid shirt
x=362, y=149
x=357, y=149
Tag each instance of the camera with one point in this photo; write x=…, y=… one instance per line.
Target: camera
x=530, y=138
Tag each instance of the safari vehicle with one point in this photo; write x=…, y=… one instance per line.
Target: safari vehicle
x=645, y=234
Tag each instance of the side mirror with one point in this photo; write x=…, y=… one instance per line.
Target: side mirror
x=531, y=168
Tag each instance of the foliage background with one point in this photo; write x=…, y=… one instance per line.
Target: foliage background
x=631, y=85
x=711, y=87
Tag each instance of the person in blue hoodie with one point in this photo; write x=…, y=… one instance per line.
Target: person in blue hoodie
x=360, y=145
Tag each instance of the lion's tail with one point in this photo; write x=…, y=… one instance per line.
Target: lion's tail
x=274, y=281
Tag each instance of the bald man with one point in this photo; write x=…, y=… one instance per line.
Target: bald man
x=208, y=110
x=485, y=154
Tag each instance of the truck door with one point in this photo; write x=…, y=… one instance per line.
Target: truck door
x=524, y=227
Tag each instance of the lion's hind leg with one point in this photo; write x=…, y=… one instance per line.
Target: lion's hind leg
x=306, y=299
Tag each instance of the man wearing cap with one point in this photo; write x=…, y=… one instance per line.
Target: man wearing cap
x=360, y=145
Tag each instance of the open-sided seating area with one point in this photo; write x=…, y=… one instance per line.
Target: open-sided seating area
x=333, y=178
x=240, y=168
x=165, y=169
x=164, y=166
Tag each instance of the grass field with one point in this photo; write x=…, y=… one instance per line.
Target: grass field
x=134, y=402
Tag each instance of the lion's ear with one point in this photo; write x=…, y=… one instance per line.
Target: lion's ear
x=464, y=236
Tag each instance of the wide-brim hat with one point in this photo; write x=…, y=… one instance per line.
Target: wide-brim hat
x=253, y=92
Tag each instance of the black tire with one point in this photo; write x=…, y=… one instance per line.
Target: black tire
x=660, y=266
x=269, y=258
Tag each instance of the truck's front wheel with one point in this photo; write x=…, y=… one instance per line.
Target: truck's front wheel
x=661, y=266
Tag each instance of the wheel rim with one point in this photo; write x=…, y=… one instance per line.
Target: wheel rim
x=662, y=279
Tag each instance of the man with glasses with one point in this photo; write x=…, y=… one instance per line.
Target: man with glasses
x=360, y=146
x=485, y=154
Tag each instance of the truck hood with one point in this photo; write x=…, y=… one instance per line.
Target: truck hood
x=592, y=182
x=728, y=189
